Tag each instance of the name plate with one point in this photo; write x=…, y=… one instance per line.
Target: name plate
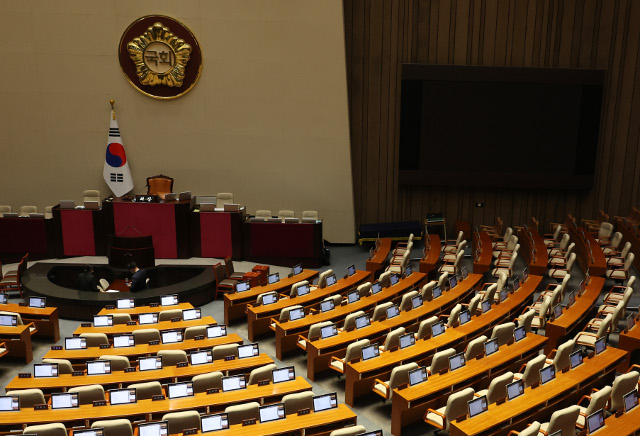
x=40, y=407
x=158, y=398
x=104, y=346
x=109, y=307
x=23, y=304
x=131, y=323
x=443, y=371
x=199, y=338
x=156, y=342
x=263, y=382
x=77, y=373
x=248, y=421
x=535, y=385
x=181, y=364
x=56, y=347
x=403, y=386
x=130, y=369
x=24, y=375
x=226, y=358
x=154, y=304
x=212, y=391
x=461, y=418
x=85, y=324
x=176, y=319
x=190, y=431
x=304, y=411
x=501, y=400
x=99, y=403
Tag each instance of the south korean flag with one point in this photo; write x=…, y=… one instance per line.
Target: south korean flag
x=116, y=168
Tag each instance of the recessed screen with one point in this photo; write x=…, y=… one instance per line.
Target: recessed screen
x=148, y=318
x=189, y=314
x=273, y=278
x=557, y=311
x=8, y=320
x=465, y=317
x=601, y=345
x=283, y=374
x=150, y=363
x=9, y=404
x=392, y=311
x=515, y=389
x=595, y=421
x=525, y=274
x=417, y=376
x=395, y=278
x=297, y=269
x=38, y=302
x=375, y=288
x=520, y=333
x=75, y=343
x=4, y=299
x=362, y=321
x=325, y=402
x=328, y=331
x=486, y=306
x=572, y=298
x=437, y=292
x=490, y=347
x=64, y=400
x=631, y=321
x=407, y=340
x=547, y=374
x=201, y=357
x=102, y=320
x=295, y=314
x=210, y=423
x=437, y=329
x=477, y=406
x=233, y=383
x=408, y=271
x=249, y=350
x=169, y=300
x=126, y=303
x=456, y=362
x=122, y=396
x=327, y=305
x=351, y=270
x=171, y=336
x=180, y=390
x=242, y=286
x=154, y=429
x=216, y=331
x=122, y=341
x=630, y=400
x=41, y=370
x=332, y=280
x=303, y=290
x=370, y=352
x=464, y=272
x=272, y=412
x=576, y=359
x=353, y=296
x=453, y=282
x=98, y=367
x=416, y=301
x=503, y=294
x=89, y=432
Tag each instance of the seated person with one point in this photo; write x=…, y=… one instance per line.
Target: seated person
x=86, y=281
x=138, y=279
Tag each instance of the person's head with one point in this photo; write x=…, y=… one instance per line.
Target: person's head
x=133, y=267
x=88, y=268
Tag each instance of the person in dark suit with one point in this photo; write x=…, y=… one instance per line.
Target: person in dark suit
x=86, y=281
x=138, y=278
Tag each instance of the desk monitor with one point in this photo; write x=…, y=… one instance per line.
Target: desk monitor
x=216, y=331
x=272, y=412
x=273, y=278
x=525, y=274
x=417, y=376
x=169, y=300
x=98, y=367
x=362, y=321
x=75, y=343
x=9, y=404
x=371, y=433
x=394, y=279
x=520, y=333
x=547, y=374
x=325, y=402
x=515, y=284
x=295, y=314
x=583, y=286
x=150, y=363
x=207, y=207
x=486, y=306
x=209, y=423
x=453, y=282
x=353, y=296
x=297, y=269
x=437, y=292
x=576, y=359
x=372, y=253
x=233, y=383
x=351, y=270
x=572, y=299
x=121, y=341
x=407, y=340
x=180, y=390
x=456, y=361
x=630, y=400
x=328, y=331
x=249, y=350
x=126, y=303
x=491, y=347
x=464, y=272
x=478, y=406
x=303, y=290
x=437, y=329
x=515, y=389
x=393, y=311
x=64, y=400
x=38, y=302
x=8, y=320
x=557, y=311
x=601, y=345
x=331, y=280
x=503, y=294
x=408, y=271
x=154, y=429
x=327, y=305
x=67, y=204
x=370, y=351
x=4, y=299
x=285, y=374
x=43, y=370
x=201, y=357
x=595, y=421
x=375, y=288
x=465, y=317
x=189, y=314
x=270, y=298
x=102, y=320
x=89, y=432
x=242, y=286
x=416, y=301
x=91, y=205
x=148, y=318
x=631, y=321
x=171, y=336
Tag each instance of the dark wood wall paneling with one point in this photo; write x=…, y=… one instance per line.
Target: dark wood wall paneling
x=380, y=35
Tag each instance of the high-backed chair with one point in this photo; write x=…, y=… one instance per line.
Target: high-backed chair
x=195, y=330
x=146, y=390
x=385, y=279
x=314, y=333
x=424, y=330
x=617, y=273
x=263, y=213
x=561, y=261
x=562, y=247
x=27, y=398
x=144, y=336
x=501, y=244
x=48, y=212
x=531, y=430
x=118, y=363
x=406, y=303
x=456, y=406
x=223, y=198
x=159, y=185
x=95, y=339
x=393, y=339
x=322, y=278
x=242, y=412
x=232, y=274
x=443, y=280
x=26, y=210
x=114, y=427
x=208, y=380
x=612, y=248
x=92, y=195
x=473, y=304
x=509, y=247
x=121, y=318
x=551, y=239
x=451, y=256
x=588, y=339
x=597, y=400
x=503, y=332
x=284, y=213
x=172, y=357
x=181, y=421
x=452, y=245
x=526, y=319
x=4, y=209
x=55, y=429
x=223, y=284
x=32, y=328
x=284, y=313
x=619, y=257
x=349, y=431
x=563, y=420
x=169, y=314
x=262, y=373
x=294, y=288
x=427, y=291
x=350, y=320
x=380, y=311
x=354, y=350
x=293, y=403
x=399, y=375
x=540, y=320
x=497, y=388
x=604, y=233
x=222, y=351
x=559, y=273
x=622, y=385
x=88, y=394
x=561, y=358
x=474, y=347
x=454, y=315
x=617, y=293
x=310, y=214
x=452, y=268
x=440, y=361
x=531, y=369
x=64, y=365
x=506, y=267
x=364, y=289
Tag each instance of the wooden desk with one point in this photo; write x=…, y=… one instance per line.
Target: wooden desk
x=538, y=405
x=630, y=234
x=92, y=353
x=287, y=332
x=573, y=317
x=235, y=305
x=429, y=262
x=259, y=317
x=144, y=309
x=45, y=319
x=320, y=351
x=625, y=424
x=123, y=329
x=379, y=258
x=321, y=423
x=17, y=341
x=483, y=263
x=169, y=374
x=594, y=260
x=360, y=376
x=537, y=264
x=211, y=403
x=410, y=404
x=630, y=341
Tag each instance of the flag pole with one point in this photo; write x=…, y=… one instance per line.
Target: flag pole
x=113, y=102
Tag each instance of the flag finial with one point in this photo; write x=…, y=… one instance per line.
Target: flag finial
x=112, y=103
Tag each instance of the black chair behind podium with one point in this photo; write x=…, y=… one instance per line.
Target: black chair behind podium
x=122, y=250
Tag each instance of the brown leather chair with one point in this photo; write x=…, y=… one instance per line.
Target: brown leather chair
x=159, y=185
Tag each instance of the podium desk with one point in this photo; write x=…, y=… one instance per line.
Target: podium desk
x=167, y=222
x=588, y=252
x=216, y=234
x=123, y=329
x=537, y=263
x=284, y=244
x=259, y=317
x=17, y=341
x=235, y=304
x=539, y=403
x=45, y=319
x=409, y=405
x=79, y=232
x=573, y=317
x=380, y=256
x=19, y=236
x=428, y=263
x=482, y=263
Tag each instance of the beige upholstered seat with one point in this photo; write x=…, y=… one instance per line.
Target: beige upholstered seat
x=617, y=273
x=499, y=245
x=48, y=212
x=364, y=289
x=393, y=339
x=399, y=375
x=284, y=213
x=562, y=358
x=354, y=350
x=263, y=213
x=322, y=278
x=427, y=291
x=443, y=280
x=262, y=373
x=451, y=256
x=612, y=248
x=95, y=339
x=64, y=365
x=209, y=380
x=532, y=430
x=118, y=363
x=284, y=313
x=526, y=319
x=385, y=279
x=622, y=385
x=497, y=388
x=223, y=198
x=561, y=261
x=588, y=339
x=618, y=258
x=456, y=406
x=349, y=431
x=473, y=304
x=508, y=248
x=314, y=333
x=104, y=284
x=452, y=268
x=503, y=332
x=540, y=320
x=298, y=401
x=242, y=412
x=615, y=312
x=181, y=421
x=294, y=288
x=88, y=394
x=146, y=390
x=562, y=247
x=172, y=357
x=440, y=360
x=115, y=427
x=551, y=241
x=618, y=293
x=27, y=398
x=505, y=266
x=563, y=420
x=144, y=336
x=26, y=210
x=489, y=295
x=532, y=369
x=222, y=351
x=168, y=315
x=424, y=329
x=4, y=209
x=310, y=214
x=121, y=318
x=55, y=429
x=92, y=195
x=559, y=273
x=449, y=248
x=337, y=299
x=454, y=316
x=551, y=289
x=405, y=303
x=380, y=311
x=597, y=401
x=350, y=320
x=193, y=331
x=474, y=347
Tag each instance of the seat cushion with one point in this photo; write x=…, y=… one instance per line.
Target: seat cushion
x=337, y=365
x=382, y=389
x=435, y=419
x=586, y=339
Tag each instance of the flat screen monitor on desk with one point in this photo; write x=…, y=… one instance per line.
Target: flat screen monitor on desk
x=392, y=311
x=4, y=299
x=519, y=334
x=169, y=300
x=437, y=292
x=362, y=321
x=630, y=400
x=189, y=314
x=272, y=412
x=75, y=343
x=576, y=359
x=478, y=406
x=180, y=390
x=465, y=317
x=370, y=352
x=249, y=350
x=285, y=374
x=417, y=376
x=394, y=279
x=38, y=302
x=43, y=370
x=8, y=320
x=295, y=314
x=353, y=296
x=303, y=290
x=595, y=421
x=242, y=286
x=437, y=329
x=486, y=306
x=351, y=270
x=126, y=303
x=122, y=341
x=171, y=336
x=102, y=320
x=375, y=288
x=490, y=347
x=98, y=367
x=150, y=363
x=328, y=331
x=148, y=318
x=297, y=269
x=416, y=301
x=547, y=374
x=154, y=429
x=407, y=340
x=326, y=305
x=601, y=345
x=325, y=402
x=457, y=361
x=515, y=389
x=209, y=423
x=216, y=331
x=269, y=298
x=89, y=432
x=9, y=404
x=273, y=278
x=122, y=396
x=64, y=400
x=331, y=280
x=233, y=383
x=201, y=357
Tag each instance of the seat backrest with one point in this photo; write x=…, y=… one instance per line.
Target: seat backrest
x=393, y=338
x=531, y=373
x=424, y=329
x=441, y=360
x=564, y=420
x=114, y=427
x=209, y=380
x=263, y=213
x=562, y=358
x=454, y=316
x=503, y=332
x=526, y=318
x=349, y=431
x=605, y=326
x=26, y=210
x=223, y=198
x=27, y=398
x=498, y=387
x=629, y=261
x=444, y=277
x=298, y=401
x=473, y=304
x=615, y=241
x=146, y=390
x=322, y=278
x=385, y=279
x=622, y=385
x=92, y=195
x=427, y=291
x=88, y=394
x=571, y=261
x=121, y=318
x=159, y=185
x=474, y=347
x=511, y=244
x=625, y=249
x=284, y=313
x=172, y=357
x=95, y=339
x=459, y=238
x=337, y=299
x=195, y=330
x=350, y=320
x=354, y=349
x=400, y=375
x=507, y=234
x=457, y=405
x=598, y=400
x=313, y=214
x=144, y=336
x=222, y=351
x=242, y=412
x=181, y=421
x=118, y=363
x=4, y=209
x=380, y=311
x=502, y=280
x=284, y=213
x=295, y=286
x=55, y=429
x=605, y=230
x=314, y=330
x=533, y=429
x=570, y=250
x=168, y=315
x=64, y=365
x=406, y=304
x=261, y=373
x=364, y=289
x=491, y=292
x=564, y=242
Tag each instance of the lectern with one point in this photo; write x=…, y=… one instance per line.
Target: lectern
x=122, y=250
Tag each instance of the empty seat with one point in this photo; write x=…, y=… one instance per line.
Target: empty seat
x=223, y=198
x=172, y=357
x=456, y=406
x=349, y=431
x=424, y=329
x=497, y=388
x=209, y=380
x=474, y=347
x=286, y=214
x=354, y=350
x=406, y=303
x=503, y=332
x=88, y=394
x=322, y=278
x=310, y=214
x=27, y=398
x=314, y=333
x=380, y=311
x=159, y=185
x=55, y=429
x=242, y=412
x=526, y=319
x=532, y=369
x=263, y=213
x=146, y=390
x=95, y=339
x=364, y=289
x=597, y=400
x=298, y=401
x=118, y=363
x=399, y=375
x=350, y=320
x=532, y=430
x=295, y=286
x=222, y=351
x=168, y=315
x=563, y=420
x=4, y=209
x=440, y=361
x=393, y=339
x=284, y=313
x=261, y=374
x=622, y=385
x=64, y=365
x=144, y=336
x=92, y=195
x=26, y=210
x=588, y=339
x=121, y=318
x=181, y=421
x=115, y=427
x=193, y=331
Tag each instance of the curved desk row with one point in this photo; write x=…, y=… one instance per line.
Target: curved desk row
x=432, y=256
x=484, y=249
x=536, y=262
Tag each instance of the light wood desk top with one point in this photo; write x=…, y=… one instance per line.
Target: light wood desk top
x=164, y=325
x=625, y=424
x=29, y=311
x=145, y=309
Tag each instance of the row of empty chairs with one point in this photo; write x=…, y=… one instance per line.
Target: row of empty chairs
x=284, y=216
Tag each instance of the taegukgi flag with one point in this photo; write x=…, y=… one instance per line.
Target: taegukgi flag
x=116, y=168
